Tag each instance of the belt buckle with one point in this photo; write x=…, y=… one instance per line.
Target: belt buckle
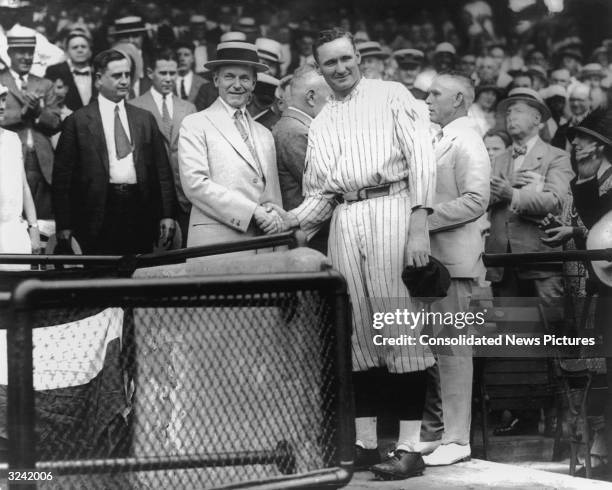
x=378, y=191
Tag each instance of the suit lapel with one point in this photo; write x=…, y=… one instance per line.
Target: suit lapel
x=503, y=165
x=533, y=159
x=96, y=129
x=291, y=112
x=9, y=82
x=151, y=106
x=443, y=146
x=178, y=113
x=220, y=118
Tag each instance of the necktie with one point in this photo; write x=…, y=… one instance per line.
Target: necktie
x=123, y=146
x=518, y=150
x=240, y=125
x=85, y=72
x=23, y=86
x=183, y=91
x=166, y=119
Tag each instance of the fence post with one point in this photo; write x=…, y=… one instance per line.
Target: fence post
x=20, y=410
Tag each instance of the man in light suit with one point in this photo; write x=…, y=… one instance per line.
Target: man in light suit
x=530, y=179
x=112, y=183
x=227, y=161
x=169, y=111
x=32, y=112
x=309, y=93
x=462, y=196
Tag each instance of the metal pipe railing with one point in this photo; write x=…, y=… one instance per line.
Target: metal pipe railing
x=292, y=239
x=501, y=259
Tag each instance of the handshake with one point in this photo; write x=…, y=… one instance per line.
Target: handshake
x=271, y=218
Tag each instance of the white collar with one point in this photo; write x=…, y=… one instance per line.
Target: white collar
x=232, y=110
x=602, y=168
x=531, y=142
x=158, y=96
x=109, y=104
x=17, y=76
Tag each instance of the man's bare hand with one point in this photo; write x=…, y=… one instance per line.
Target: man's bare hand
x=268, y=219
x=417, y=249
x=288, y=219
x=501, y=188
x=167, y=229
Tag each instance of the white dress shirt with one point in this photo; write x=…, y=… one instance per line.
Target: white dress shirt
x=121, y=171
x=158, y=98
x=82, y=82
x=188, y=81
x=245, y=115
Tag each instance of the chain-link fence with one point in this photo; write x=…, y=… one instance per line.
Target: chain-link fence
x=208, y=382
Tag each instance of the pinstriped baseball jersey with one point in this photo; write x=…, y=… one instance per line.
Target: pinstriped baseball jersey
x=378, y=134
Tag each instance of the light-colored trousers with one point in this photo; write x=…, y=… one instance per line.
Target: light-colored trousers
x=448, y=403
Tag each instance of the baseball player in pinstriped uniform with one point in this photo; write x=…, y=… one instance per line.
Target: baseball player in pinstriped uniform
x=370, y=166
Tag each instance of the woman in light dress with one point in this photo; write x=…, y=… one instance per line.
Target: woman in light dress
x=16, y=234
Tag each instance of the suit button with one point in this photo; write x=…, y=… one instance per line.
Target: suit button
x=255, y=181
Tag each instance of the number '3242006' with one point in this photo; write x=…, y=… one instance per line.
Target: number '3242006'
x=30, y=476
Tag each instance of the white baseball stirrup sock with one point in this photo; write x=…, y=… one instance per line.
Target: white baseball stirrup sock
x=409, y=434
x=365, y=432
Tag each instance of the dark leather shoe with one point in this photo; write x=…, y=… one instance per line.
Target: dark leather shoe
x=399, y=466
x=364, y=458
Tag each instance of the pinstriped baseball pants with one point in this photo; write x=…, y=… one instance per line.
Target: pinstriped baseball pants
x=366, y=244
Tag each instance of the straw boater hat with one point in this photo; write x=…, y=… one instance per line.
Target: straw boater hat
x=591, y=70
x=129, y=25
x=527, y=95
x=371, y=49
x=445, y=48
x=269, y=49
x=21, y=37
x=236, y=53
x=197, y=19
x=232, y=36
x=246, y=24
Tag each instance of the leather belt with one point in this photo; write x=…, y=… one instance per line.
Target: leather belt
x=365, y=193
x=123, y=188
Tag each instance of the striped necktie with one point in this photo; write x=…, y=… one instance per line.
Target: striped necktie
x=240, y=125
x=166, y=119
x=183, y=91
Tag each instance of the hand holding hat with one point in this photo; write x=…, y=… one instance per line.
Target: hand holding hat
x=429, y=282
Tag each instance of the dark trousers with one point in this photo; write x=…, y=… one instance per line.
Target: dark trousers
x=126, y=228
x=41, y=190
x=603, y=314
x=378, y=392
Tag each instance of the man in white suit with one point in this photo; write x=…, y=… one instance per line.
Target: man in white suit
x=169, y=111
x=227, y=161
x=462, y=196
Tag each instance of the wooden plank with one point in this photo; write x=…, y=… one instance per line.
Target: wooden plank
x=534, y=378
x=516, y=365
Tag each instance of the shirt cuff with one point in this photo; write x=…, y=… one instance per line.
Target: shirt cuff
x=514, y=204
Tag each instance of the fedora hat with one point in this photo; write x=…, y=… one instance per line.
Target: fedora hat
x=597, y=125
x=527, y=95
x=373, y=49
x=236, y=53
x=429, y=282
x=600, y=236
x=269, y=49
x=129, y=25
x=409, y=57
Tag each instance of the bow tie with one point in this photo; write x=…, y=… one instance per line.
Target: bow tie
x=85, y=73
x=518, y=151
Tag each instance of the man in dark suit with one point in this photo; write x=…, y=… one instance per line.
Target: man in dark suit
x=188, y=83
x=309, y=93
x=169, y=111
x=76, y=71
x=112, y=183
x=33, y=113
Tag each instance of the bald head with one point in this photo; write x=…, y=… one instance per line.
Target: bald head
x=308, y=91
